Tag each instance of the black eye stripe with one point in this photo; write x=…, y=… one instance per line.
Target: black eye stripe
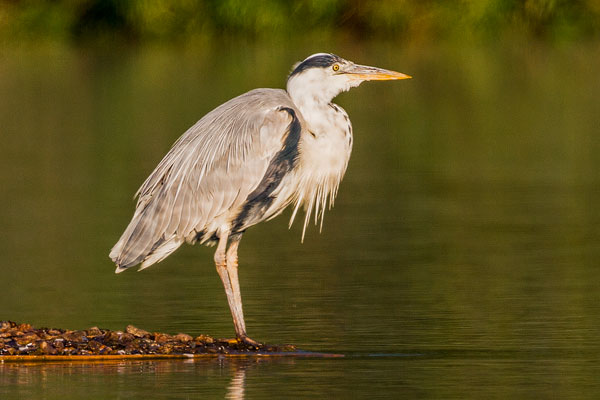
x=320, y=61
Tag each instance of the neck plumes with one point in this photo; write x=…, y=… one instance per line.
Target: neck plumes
x=324, y=150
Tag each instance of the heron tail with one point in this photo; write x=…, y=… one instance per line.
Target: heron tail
x=138, y=245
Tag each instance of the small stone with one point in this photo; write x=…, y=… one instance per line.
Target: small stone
x=166, y=349
x=112, y=336
x=162, y=338
x=95, y=346
x=4, y=326
x=75, y=336
x=204, y=339
x=94, y=331
x=47, y=348
x=24, y=327
x=126, y=338
x=27, y=338
x=59, y=344
x=44, y=335
x=183, y=338
x=137, y=332
x=199, y=346
x=178, y=349
x=130, y=348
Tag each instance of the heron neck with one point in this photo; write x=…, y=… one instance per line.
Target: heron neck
x=311, y=105
x=309, y=91
x=315, y=113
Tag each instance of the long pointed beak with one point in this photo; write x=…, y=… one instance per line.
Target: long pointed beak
x=366, y=73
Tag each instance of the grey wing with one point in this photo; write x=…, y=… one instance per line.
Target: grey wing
x=206, y=177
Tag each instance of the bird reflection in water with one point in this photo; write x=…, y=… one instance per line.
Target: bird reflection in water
x=236, y=388
x=110, y=379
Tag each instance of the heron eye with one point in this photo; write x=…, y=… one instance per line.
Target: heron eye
x=336, y=67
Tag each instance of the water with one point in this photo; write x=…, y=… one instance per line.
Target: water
x=460, y=259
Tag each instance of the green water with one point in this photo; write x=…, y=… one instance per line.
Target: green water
x=460, y=259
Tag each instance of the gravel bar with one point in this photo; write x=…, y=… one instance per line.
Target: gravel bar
x=18, y=340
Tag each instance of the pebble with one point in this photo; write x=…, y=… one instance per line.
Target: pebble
x=47, y=348
x=75, y=336
x=204, y=339
x=137, y=332
x=27, y=338
x=162, y=338
x=126, y=338
x=94, y=331
x=183, y=337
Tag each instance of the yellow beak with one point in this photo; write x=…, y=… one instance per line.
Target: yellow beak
x=367, y=73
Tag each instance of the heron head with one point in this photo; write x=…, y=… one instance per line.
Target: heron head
x=323, y=76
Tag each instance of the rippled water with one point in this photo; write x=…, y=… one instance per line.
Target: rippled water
x=460, y=259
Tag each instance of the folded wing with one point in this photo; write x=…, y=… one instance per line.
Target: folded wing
x=204, y=180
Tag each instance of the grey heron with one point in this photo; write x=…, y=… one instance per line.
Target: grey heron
x=245, y=162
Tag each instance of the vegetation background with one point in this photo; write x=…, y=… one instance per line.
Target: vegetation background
x=414, y=20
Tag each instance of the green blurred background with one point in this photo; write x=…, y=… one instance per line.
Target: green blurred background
x=183, y=20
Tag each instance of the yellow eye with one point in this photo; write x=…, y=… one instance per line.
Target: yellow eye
x=336, y=67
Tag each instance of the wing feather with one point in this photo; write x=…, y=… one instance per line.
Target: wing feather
x=206, y=175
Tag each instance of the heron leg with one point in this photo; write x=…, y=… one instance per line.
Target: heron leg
x=221, y=264
x=226, y=263
x=232, y=270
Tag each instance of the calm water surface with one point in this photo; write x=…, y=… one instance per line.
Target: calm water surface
x=460, y=260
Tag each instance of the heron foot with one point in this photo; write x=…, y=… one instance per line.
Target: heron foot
x=248, y=342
